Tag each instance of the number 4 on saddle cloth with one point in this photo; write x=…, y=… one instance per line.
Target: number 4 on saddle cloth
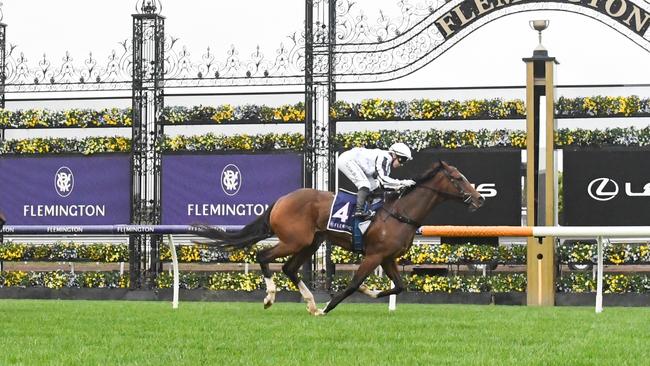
x=342, y=217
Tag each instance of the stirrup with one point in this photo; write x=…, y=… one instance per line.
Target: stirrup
x=362, y=215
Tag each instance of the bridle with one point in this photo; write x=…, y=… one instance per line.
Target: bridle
x=460, y=194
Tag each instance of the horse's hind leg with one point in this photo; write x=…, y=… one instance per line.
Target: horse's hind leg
x=291, y=270
x=264, y=257
x=367, y=265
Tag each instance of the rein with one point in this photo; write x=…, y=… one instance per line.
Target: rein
x=401, y=218
x=462, y=195
x=432, y=174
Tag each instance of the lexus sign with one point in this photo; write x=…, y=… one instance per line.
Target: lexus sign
x=606, y=187
x=602, y=189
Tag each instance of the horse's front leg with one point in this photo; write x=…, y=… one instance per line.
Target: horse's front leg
x=390, y=268
x=367, y=265
x=367, y=291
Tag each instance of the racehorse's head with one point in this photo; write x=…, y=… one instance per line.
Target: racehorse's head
x=457, y=183
x=452, y=183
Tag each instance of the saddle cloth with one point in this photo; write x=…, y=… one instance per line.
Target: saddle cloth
x=342, y=212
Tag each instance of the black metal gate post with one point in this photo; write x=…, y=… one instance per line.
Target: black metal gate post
x=147, y=131
x=3, y=67
x=331, y=147
x=3, y=64
x=319, y=35
x=3, y=79
x=310, y=151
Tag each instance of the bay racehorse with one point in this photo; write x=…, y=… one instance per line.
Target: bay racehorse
x=299, y=220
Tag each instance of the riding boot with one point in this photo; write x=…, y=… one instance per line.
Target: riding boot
x=360, y=211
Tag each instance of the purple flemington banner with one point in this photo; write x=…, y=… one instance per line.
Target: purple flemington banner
x=70, y=190
x=225, y=189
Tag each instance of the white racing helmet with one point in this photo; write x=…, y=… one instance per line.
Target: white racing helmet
x=401, y=150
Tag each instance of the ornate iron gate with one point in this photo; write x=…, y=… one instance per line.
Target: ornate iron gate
x=336, y=48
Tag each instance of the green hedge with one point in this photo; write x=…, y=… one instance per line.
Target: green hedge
x=367, y=109
x=61, y=279
x=244, y=142
x=418, y=140
x=430, y=109
x=617, y=253
x=55, y=145
x=230, y=113
x=64, y=251
x=107, y=252
x=575, y=282
x=602, y=106
x=447, y=254
x=254, y=281
x=34, y=118
x=579, y=282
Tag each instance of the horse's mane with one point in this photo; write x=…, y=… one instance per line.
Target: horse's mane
x=428, y=174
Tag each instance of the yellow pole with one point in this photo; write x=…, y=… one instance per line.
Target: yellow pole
x=532, y=270
x=540, y=253
x=547, y=281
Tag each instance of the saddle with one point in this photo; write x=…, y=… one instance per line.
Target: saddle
x=341, y=218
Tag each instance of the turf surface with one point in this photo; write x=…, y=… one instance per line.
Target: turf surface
x=67, y=332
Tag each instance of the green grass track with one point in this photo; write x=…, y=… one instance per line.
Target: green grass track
x=68, y=332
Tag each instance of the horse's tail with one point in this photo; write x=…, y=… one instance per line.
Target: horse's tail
x=257, y=230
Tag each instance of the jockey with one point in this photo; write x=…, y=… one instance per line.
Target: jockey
x=369, y=169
